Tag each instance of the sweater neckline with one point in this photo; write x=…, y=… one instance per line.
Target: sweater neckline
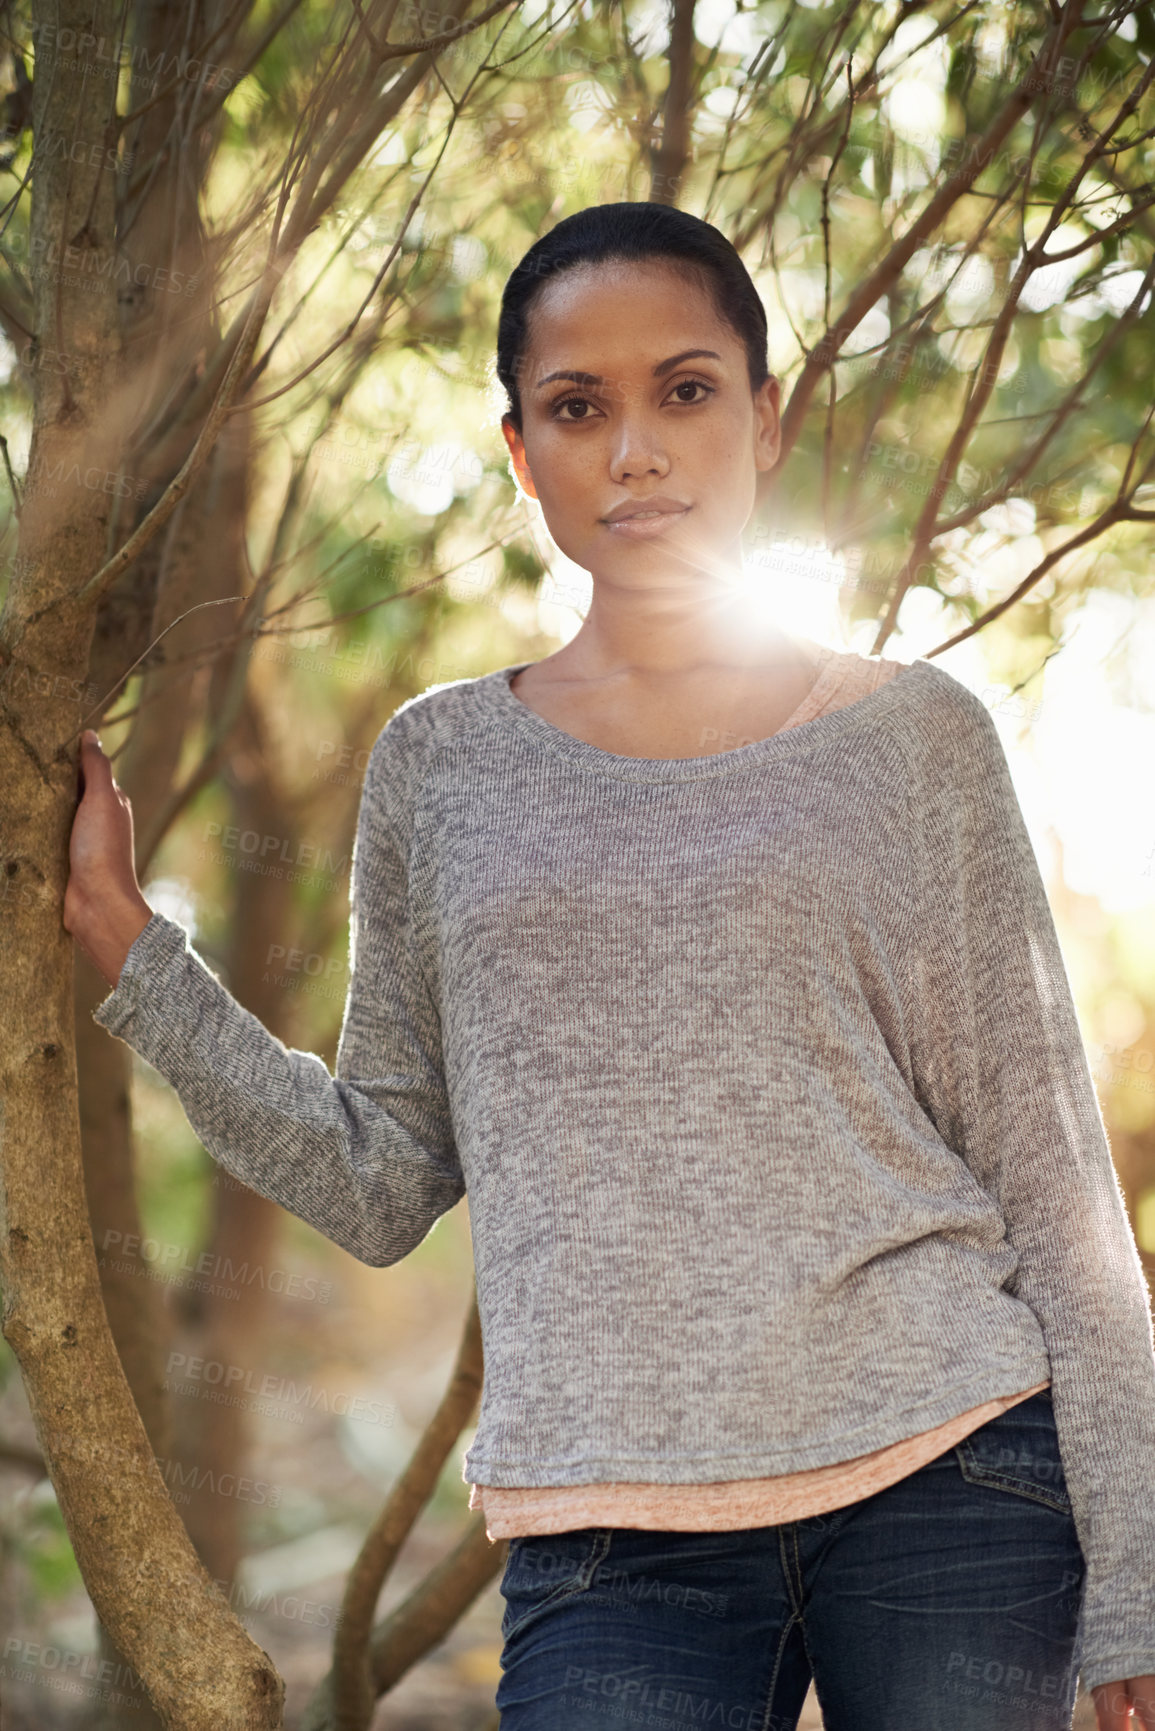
x=787, y=740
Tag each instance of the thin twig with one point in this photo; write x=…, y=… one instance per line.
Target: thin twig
x=99, y=708
x=11, y=477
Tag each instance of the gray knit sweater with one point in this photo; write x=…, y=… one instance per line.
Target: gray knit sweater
x=763, y=1075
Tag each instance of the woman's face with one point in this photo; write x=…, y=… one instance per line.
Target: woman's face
x=646, y=421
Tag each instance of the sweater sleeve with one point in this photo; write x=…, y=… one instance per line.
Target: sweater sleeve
x=367, y=1156
x=1002, y=1069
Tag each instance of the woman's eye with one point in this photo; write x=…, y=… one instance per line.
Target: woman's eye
x=568, y=403
x=693, y=385
x=583, y=403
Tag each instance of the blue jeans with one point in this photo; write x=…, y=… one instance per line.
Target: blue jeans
x=948, y=1602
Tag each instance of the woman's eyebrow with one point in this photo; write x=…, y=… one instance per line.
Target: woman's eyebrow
x=662, y=367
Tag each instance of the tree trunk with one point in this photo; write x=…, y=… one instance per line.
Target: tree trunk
x=132, y=1301
x=201, y=1669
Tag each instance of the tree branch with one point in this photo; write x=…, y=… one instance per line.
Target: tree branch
x=932, y=216
x=352, y=1683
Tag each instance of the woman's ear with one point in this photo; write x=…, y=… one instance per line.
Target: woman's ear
x=767, y=425
x=517, y=454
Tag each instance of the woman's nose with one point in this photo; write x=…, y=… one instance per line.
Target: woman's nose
x=637, y=450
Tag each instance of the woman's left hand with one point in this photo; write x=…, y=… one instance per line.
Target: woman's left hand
x=1125, y=1706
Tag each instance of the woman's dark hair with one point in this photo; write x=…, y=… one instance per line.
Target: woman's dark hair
x=631, y=231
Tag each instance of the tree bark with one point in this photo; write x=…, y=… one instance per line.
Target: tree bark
x=149, y=1589
x=132, y=1301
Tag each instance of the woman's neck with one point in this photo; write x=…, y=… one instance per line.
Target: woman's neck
x=648, y=636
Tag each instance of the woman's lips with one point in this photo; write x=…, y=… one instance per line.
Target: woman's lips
x=645, y=528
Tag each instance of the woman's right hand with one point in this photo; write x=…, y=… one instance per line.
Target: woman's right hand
x=103, y=905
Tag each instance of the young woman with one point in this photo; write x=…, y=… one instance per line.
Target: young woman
x=716, y=968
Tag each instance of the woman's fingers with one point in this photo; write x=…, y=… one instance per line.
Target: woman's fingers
x=101, y=851
x=96, y=772
x=96, y=777
x=1142, y=1691
x=1128, y=1705
x=1112, y=1710
x=94, y=765
x=103, y=906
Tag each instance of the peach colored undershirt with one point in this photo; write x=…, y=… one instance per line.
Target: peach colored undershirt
x=730, y=1504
